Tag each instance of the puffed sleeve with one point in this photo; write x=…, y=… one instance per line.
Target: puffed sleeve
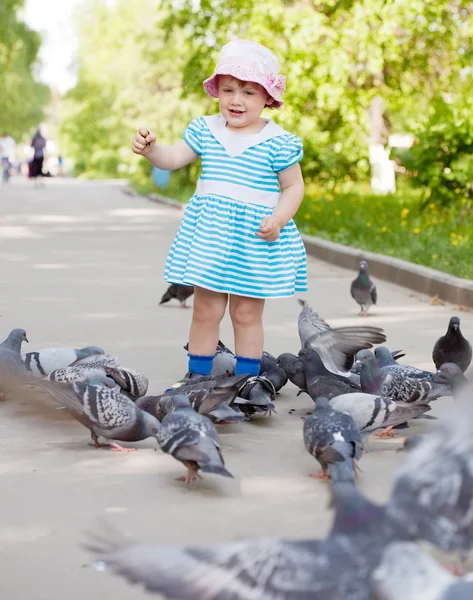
x=193, y=135
x=288, y=154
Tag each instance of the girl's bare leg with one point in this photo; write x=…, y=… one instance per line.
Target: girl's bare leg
x=209, y=309
x=247, y=318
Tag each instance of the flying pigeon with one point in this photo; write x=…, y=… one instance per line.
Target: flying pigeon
x=334, y=439
x=44, y=361
x=372, y=413
x=399, y=387
x=452, y=347
x=406, y=572
x=336, y=347
x=363, y=290
x=104, y=411
x=192, y=439
x=319, y=380
x=179, y=292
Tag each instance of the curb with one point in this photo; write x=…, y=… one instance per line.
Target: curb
x=158, y=198
x=401, y=272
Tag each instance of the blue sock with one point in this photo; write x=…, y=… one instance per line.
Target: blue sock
x=247, y=365
x=202, y=365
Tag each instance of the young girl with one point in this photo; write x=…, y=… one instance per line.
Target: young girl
x=237, y=242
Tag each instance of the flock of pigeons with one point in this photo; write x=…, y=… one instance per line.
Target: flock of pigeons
x=371, y=550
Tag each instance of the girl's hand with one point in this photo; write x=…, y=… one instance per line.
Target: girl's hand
x=143, y=141
x=269, y=228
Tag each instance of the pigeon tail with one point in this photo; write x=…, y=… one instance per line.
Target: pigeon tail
x=217, y=469
x=342, y=470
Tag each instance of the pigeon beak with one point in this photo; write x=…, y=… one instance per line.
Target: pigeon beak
x=455, y=327
x=26, y=339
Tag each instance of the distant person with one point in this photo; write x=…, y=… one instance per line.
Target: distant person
x=7, y=147
x=38, y=143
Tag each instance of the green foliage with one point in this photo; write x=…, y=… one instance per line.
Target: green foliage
x=441, y=160
x=22, y=99
x=394, y=225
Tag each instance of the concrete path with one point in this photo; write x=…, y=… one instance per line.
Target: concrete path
x=82, y=263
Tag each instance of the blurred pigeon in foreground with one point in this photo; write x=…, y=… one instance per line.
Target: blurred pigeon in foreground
x=293, y=368
x=44, y=361
x=408, y=573
x=334, y=440
x=192, y=439
x=453, y=375
x=336, y=347
x=319, y=380
x=397, y=386
x=104, y=411
x=336, y=568
x=371, y=412
x=179, y=292
x=452, y=347
x=363, y=290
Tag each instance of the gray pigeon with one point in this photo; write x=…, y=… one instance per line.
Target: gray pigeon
x=336, y=347
x=270, y=369
x=319, y=380
x=11, y=366
x=257, y=396
x=192, y=439
x=133, y=383
x=84, y=369
x=293, y=369
x=453, y=375
x=337, y=568
x=385, y=361
x=452, y=347
x=104, y=411
x=406, y=572
x=363, y=290
x=372, y=413
x=224, y=361
x=399, y=387
x=334, y=439
x=44, y=361
x=178, y=291
x=356, y=369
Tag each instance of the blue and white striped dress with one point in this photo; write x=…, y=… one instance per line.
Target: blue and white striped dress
x=216, y=246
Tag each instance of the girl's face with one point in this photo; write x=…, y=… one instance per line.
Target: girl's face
x=241, y=102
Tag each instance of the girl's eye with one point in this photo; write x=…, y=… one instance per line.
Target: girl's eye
x=248, y=93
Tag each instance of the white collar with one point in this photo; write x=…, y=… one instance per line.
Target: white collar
x=235, y=144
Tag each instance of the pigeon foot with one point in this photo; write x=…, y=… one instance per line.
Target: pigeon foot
x=117, y=448
x=320, y=476
x=97, y=444
x=388, y=432
x=191, y=475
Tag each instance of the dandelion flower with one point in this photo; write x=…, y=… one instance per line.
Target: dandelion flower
x=338, y=212
x=416, y=230
x=307, y=216
x=404, y=213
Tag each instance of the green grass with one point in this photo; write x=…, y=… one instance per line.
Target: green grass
x=393, y=225
x=177, y=188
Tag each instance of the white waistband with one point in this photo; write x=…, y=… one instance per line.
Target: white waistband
x=238, y=192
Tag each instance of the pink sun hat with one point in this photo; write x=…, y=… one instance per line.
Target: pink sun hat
x=248, y=61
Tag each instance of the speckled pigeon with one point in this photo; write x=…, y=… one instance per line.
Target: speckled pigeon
x=84, y=369
x=178, y=291
x=386, y=362
x=399, y=387
x=363, y=290
x=104, y=411
x=452, y=347
x=191, y=439
x=134, y=383
x=408, y=573
x=334, y=439
x=44, y=361
x=336, y=347
x=319, y=380
x=372, y=413
x=336, y=568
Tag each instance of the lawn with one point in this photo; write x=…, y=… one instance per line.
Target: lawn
x=393, y=225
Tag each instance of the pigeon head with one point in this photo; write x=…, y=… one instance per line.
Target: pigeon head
x=102, y=380
x=383, y=356
x=88, y=351
x=454, y=324
x=181, y=402
x=362, y=354
x=322, y=402
x=285, y=360
x=312, y=362
x=363, y=266
x=451, y=373
x=371, y=375
x=15, y=338
x=149, y=424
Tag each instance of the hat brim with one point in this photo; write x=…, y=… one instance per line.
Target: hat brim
x=243, y=74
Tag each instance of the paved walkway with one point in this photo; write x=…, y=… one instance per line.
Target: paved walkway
x=82, y=263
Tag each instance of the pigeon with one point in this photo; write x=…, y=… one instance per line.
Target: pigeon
x=388, y=364
x=84, y=369
x=453, y=375
x=134, y=383
x=452, y=347
x=399, y=387
x=371, y=412
x=105, y=412
x=44, y=361
x=336, y=347
x=319, y=380
x=273, y=371
x=363, y=290
x=334, y=439
x=179, y=292
x=356, y=369
x=408, y=573
x=339, y=567
x=224, y=361
x=12, y=369
x=293, y=369
x=192, y=439
x=256, y=396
